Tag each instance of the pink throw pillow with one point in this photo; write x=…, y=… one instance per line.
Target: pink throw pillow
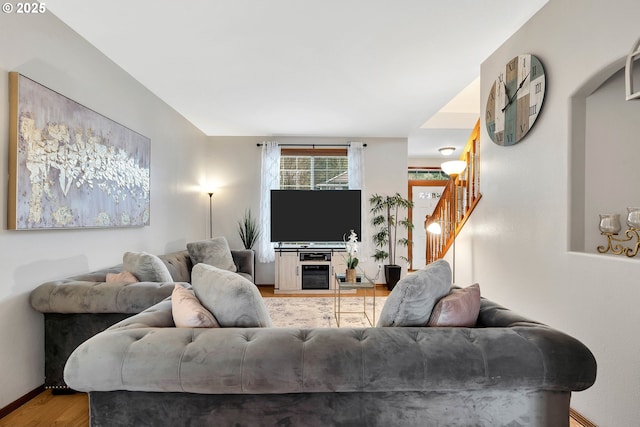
x=124, y=277
x=460, y=308
x=188, y=312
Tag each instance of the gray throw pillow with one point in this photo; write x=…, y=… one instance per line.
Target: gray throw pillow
x=214, y=252
x=412, y=299
x=233, y=300
x=146, y=267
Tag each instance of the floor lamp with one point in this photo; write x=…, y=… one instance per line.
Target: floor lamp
x=210, y=193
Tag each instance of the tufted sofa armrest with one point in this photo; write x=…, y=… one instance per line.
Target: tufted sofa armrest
x=89, y=292
x=156, y=316
x=87, y=296
x=244, y=261
x=493, y=315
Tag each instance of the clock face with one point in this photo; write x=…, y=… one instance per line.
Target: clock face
x=515, y=100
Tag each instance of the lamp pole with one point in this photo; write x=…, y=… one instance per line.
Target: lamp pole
x=210, y=215
x=454, y=191
x=453, y=270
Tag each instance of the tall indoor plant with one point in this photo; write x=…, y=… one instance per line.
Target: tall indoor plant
x=386, y=211
x=248, y=230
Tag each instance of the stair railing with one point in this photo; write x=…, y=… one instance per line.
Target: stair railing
x=460, y=196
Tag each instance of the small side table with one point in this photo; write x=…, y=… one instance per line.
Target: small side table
x=363, y=283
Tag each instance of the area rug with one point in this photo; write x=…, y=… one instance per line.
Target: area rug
x=318, y=312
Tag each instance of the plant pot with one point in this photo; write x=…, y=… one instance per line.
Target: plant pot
x=392, y=275
x=351, y=275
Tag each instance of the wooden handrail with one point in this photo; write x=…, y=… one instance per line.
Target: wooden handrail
x=460, y=196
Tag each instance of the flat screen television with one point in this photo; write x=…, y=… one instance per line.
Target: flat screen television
x=314, y=216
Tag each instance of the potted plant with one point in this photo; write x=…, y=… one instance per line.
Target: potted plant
x=386, y=211
x=351, y=245
x=248, y=230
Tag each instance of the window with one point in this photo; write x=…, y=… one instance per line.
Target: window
x=427, y=174
x=314, y=169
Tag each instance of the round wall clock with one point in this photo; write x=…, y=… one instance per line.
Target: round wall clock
x=515, y=100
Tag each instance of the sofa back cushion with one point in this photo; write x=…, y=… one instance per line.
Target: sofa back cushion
x=412, y=299
x=179, y=265
x=232, y=299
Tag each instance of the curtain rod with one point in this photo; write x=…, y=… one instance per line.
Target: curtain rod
x=259, y=144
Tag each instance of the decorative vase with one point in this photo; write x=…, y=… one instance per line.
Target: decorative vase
x=351, y=275
x=610, y=223
x=633, y=217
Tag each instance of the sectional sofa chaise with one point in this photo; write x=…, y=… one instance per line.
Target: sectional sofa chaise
x=78, y=307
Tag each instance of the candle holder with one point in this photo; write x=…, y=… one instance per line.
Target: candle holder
x=610, y=227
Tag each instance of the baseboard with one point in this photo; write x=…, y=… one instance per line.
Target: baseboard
x=20, y=401
x=581, y=419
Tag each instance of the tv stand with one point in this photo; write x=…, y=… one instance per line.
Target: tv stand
x=303, y=268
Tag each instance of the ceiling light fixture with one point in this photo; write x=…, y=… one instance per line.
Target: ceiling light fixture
x=446, y=151
x=454, y=168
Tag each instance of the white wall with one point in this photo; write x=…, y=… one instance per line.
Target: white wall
x=429, y=162
x=611, y=157
x=516, y=242
x=44, y=49
x=235, y=163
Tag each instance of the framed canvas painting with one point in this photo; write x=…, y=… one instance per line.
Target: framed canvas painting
x=70, y=167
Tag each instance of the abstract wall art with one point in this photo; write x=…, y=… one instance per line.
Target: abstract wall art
x=70, y=167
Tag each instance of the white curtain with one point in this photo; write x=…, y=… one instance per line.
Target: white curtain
x=355, y=156
x=270, y=181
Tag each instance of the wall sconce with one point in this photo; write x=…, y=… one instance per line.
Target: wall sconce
x=454, y=168
x=446, y=151
x=610, y=227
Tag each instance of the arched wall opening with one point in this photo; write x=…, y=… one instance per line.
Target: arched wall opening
x=604, y=153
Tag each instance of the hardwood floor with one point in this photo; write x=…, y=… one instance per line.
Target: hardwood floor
x=72, y=410
x=48, y=410
x=267, y=291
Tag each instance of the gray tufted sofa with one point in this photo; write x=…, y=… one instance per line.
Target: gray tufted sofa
x=79, y=307
x=506, y=371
